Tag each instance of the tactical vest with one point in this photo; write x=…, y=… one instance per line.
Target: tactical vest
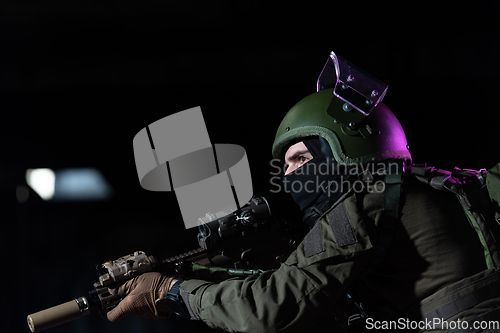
x=473, y=302
x=479, y=195
x=478, y=192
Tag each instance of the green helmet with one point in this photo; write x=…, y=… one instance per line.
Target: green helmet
x=355, y=138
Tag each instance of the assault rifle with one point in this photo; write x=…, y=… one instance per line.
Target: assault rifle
x=231, y=245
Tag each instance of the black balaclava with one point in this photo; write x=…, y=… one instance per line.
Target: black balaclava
x=317, y=184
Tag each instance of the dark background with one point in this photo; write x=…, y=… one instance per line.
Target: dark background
x=79, y=79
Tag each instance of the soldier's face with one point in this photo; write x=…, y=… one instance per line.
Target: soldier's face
x=296, y=156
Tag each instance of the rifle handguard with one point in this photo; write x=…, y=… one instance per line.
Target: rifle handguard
x=241, y=272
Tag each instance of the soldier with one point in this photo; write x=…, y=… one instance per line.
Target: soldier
x=381, y=242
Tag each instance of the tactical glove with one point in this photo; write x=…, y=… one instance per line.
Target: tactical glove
x=140, y=295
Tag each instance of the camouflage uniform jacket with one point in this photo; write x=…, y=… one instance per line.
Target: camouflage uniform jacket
x=431, y=248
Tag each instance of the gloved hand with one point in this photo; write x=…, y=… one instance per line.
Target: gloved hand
x=141, y=293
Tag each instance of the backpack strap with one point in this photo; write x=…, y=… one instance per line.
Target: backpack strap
x=392, y=195
x=493, y=185
x=394, y=171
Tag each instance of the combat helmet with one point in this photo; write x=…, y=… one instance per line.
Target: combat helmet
x=347, y=111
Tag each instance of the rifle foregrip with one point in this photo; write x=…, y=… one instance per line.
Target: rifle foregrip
x=58, y=314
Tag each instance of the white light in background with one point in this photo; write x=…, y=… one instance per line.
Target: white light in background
x=81, y=184
x=73, y=184
x=42, y=181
